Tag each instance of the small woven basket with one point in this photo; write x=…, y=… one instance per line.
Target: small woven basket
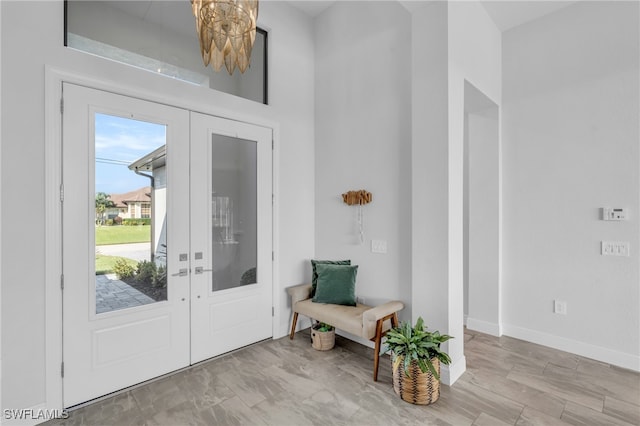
x=417, y=388
x=323, y=340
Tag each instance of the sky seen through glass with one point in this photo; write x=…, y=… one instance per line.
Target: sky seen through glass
x=118, y=143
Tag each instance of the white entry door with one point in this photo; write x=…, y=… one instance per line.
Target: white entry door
x=166, y=239
x=231, y=226
x=115, y=334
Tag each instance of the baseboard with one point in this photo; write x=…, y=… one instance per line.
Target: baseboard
x=599, y=353
x=484, y=327
x=452, y=372
x=29, y=416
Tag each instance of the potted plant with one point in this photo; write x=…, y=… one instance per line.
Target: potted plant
x=418, y=352
x=323, y=336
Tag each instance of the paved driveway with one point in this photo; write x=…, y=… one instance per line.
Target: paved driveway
x=136, y=251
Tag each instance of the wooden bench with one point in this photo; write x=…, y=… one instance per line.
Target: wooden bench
x=369, y=322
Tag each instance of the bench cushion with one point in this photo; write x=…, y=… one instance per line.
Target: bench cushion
x=347, y=318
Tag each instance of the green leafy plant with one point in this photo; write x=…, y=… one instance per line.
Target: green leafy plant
x=136, y=222
x=416, y=343
x=323, y=327
x=160, y=278
x=123, y=269
x=146, y=271
x=102, y=204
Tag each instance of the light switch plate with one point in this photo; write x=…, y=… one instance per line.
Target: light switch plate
x=378, y=246
x=560, y=307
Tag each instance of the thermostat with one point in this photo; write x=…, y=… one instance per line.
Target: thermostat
x=615, y=213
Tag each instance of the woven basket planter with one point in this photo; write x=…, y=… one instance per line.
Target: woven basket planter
x=417, y=388
x=323, y=340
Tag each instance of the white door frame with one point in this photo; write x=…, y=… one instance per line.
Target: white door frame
x=54, y=77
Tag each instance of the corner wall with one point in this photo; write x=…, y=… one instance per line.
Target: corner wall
x=571, y=131
x=464, y=45
x=1, y=260
x=429, y=167
x=475, y=51
x=363, y=122
x=482, y=211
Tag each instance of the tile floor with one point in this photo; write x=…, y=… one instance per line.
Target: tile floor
x=283, y=382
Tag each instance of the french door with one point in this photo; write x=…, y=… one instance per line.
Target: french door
x=166, y=239
x=231, y=205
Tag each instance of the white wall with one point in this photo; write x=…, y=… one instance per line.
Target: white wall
x=292, y=101
x=429, y=169
x=363, y=136
x=1, y=139
x=570, y=132
x=23, y=161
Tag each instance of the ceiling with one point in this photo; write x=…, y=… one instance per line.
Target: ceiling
x=509, y=14
x=505, y=14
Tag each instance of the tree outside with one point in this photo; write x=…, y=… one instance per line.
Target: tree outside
x=102, y=204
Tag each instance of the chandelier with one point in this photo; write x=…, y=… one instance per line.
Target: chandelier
x=226, y=30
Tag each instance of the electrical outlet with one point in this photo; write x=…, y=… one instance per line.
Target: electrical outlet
x=560, y=307
x=615, y=248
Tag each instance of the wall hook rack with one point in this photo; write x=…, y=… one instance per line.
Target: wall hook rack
x=358, y=198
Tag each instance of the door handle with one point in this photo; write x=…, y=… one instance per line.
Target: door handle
x=200, y=270
x=182, y=272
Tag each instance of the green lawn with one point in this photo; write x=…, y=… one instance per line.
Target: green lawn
x=104, y=264
x=121, y=234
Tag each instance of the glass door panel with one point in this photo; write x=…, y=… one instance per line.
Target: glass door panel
x=130, y=213
x=234, y=212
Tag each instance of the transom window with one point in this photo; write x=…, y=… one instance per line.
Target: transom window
x=160, y=37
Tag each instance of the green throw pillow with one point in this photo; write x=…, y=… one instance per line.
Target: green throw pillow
x=314, y=274
x=336, y=284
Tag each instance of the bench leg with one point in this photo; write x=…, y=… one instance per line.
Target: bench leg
x=376, y=354
x=378, y=340
x=294, y=321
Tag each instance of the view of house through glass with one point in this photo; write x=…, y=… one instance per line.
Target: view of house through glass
x=130, y=213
